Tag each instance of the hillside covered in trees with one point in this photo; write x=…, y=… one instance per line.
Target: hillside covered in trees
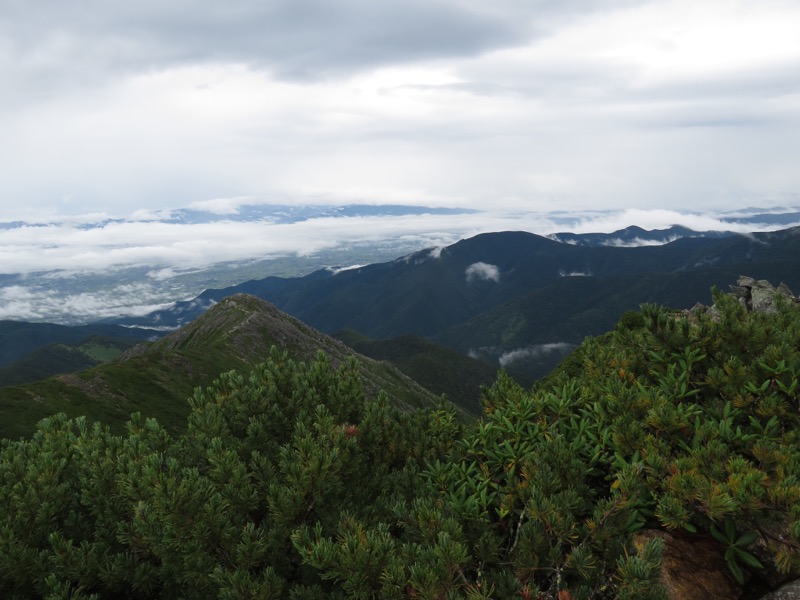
x=292, y=483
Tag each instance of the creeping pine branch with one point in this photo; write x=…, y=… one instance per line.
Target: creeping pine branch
x=516, y=535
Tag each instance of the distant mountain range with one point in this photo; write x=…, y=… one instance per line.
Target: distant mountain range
x=512, y=299
x=276, y=213
x=98, y=267
x=636, y=236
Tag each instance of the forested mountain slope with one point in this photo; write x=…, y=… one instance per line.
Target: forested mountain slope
x=437, y=368
x=53, y=359
x=436, y=290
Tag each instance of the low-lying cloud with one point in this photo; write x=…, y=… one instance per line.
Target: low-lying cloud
x=337, y=270
x=159, y=245
x=481, y=271
x=639, y=242
x=37, y=303
x=534, y=352
x=663, y=219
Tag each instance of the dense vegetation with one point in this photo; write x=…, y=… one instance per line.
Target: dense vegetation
x=290, y=484
x=437, y=368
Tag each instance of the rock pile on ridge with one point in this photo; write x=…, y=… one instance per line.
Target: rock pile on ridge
x=755, y=295
x=759, y=295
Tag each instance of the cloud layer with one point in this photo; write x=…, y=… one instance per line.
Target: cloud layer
x=533, y=352
x=536, y=106
x=97, y=244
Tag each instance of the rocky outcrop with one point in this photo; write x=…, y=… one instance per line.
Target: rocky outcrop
x=759, y=295
x=692, y=569
x=755, y=295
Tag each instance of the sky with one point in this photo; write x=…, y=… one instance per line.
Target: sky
x=114, y=108
x=535, y=115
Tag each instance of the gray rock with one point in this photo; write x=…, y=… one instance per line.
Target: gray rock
x=759, y=295
x=790, y=591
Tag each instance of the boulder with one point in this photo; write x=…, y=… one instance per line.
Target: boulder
x=693, y=568
x=759, y=295
x=754, y=296
x=790, y=591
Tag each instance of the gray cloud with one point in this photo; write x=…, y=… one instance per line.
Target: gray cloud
x=298, y=39
x=534, y=105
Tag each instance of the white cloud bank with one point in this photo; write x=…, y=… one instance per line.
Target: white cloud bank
x=36, y=303
x=96, y=244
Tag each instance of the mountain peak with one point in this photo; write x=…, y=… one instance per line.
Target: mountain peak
x=248, y=326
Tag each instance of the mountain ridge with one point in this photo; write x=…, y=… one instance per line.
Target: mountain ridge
x=429, y=291
x=157, y=378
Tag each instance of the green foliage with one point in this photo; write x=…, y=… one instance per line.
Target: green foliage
x=290, y=483
x=707, y=404
x=735, y=548
x=211, y=512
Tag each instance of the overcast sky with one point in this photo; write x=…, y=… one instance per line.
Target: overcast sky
x=117, y=107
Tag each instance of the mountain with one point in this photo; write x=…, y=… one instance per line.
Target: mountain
x=529, y=336
x=517, y=299
x=636, y=236
x=157, y=378
x=513, y=291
